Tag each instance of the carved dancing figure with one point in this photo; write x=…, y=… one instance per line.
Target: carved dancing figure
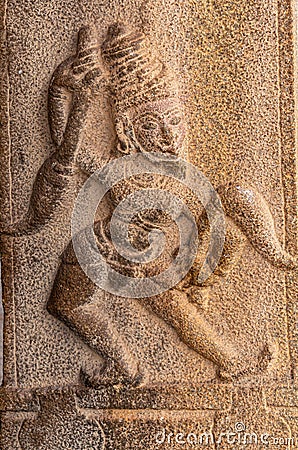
x=148, y=117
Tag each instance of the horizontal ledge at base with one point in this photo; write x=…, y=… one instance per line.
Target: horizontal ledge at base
x=159, y=397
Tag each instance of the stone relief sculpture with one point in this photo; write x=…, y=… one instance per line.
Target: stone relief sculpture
x=148, y=116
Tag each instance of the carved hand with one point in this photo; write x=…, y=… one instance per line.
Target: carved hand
x=82, y=72
x=74, y=84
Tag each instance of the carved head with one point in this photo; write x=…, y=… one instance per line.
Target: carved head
x=149, y=114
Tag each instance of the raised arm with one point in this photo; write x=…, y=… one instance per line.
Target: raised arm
x=73, y=86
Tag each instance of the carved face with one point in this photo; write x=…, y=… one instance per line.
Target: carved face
x=160, y=127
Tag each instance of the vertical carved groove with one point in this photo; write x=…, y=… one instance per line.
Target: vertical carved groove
x=8, y=353
x=289, y=161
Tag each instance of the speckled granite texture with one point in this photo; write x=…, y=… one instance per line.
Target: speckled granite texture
x=84, y=369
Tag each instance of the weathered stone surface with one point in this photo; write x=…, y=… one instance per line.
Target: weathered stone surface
x=185, y=360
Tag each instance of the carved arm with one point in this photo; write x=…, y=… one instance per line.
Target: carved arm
x=73, y=85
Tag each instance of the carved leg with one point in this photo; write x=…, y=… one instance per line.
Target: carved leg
x=97, y=330
x=71, y=303
x=235, y=242
x=175, y=309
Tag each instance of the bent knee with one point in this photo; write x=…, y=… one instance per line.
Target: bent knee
x=71, y=289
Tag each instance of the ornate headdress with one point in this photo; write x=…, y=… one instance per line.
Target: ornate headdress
x=137, y=75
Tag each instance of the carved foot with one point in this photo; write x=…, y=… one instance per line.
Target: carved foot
x=265, y=360
x=108, y=374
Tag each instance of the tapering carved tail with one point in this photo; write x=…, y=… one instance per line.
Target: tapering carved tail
x=251, y=213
